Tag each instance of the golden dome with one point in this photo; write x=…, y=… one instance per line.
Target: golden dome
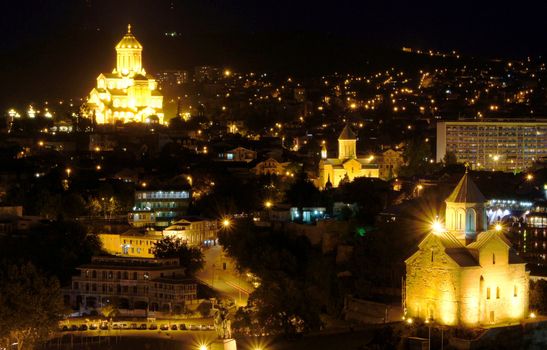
x=129, y=41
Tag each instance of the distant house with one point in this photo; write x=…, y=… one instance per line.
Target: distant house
x=238, y=154
x=389, y=163
x=193, y=230
x=270, y=167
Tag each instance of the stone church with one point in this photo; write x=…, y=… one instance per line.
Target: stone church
x=464, y=274
x=348, y=165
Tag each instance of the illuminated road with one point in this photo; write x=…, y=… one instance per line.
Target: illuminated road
x=227, y=282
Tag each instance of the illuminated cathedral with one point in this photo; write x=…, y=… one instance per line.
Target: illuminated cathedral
x=464, y=274
x=127, y=94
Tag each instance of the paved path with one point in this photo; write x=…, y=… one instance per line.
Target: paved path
x=227, y=282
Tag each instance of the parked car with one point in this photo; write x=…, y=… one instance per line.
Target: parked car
x=174, y=327
x=182, y=327
x=143, y=326
x=103, y=327
x=83, y=327
x=115, y=326
x=153, y=326
x=124, y=326
x=133, y=326
x=64, y=328
x=210, y=327
x=73, y=327
x=164, y=327
x=193, y=327
x=92, y=327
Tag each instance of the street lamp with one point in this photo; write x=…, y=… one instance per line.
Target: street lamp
x=226, y=223
x=68, y=171
x=203, y=347
x=529, y=177
x=437, y=227
x=268, y=204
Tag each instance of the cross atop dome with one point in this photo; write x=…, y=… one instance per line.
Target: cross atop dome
x=129, y=28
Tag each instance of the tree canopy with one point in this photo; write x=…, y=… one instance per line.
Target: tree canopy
x=191, y=258
x=30, y=305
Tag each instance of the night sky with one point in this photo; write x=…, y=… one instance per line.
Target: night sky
x=56, y=48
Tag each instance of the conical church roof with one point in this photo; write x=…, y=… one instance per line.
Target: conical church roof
x=347, y=134
x=466, y=192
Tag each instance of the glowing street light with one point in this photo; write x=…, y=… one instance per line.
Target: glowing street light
x=437, y=227
x=529, y=177
x=268, y=204
x=68, y=171
x=498, y=227
x=532, y=315
x=226, y=223
x=203, y=347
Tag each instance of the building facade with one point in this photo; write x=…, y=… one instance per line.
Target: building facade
x=389, y=164
x=530, y=236
x=464, y=275
x=158, y=207
x=193, y=230
x=348, y=165
x=128, y=94
x=131, y=283
x=493, y=145
x=133, y=243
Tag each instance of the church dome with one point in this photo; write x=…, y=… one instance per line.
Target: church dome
x=129, y=41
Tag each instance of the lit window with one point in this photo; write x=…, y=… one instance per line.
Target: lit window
x=497, y=292
x=493, y=259
x=488, y=293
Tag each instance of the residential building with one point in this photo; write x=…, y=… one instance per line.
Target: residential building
x=133, y=243
x=158, y=207
x=131, y=283
x=348, y=165
x=530, y=237
x=238, y=154
x=464, y=274
x=499, y=145
x=193, y=230
x=270, y=166
x=389, y=164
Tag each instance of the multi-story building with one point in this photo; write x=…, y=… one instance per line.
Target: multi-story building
x=133, y=243
x=131, y=283
x=193, y=230
x=158, y=207
x=500, y=145
x=172, y=77
x=530, y=237
x=127, y=94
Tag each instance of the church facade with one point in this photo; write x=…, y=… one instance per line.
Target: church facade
x=127, y=94
x=348, y=166
x=464, y=274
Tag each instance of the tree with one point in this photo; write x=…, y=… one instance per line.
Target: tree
x=302, y=193
x=30, y=305
x=450, y=158
x=191, y=258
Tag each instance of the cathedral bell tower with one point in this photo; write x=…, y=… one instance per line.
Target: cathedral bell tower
x=347, y=144
x=129, y=55
x=465, y=213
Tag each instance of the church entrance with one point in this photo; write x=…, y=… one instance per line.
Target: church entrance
x=492, y=317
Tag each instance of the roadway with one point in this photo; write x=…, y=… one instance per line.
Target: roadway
x=226, y=282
